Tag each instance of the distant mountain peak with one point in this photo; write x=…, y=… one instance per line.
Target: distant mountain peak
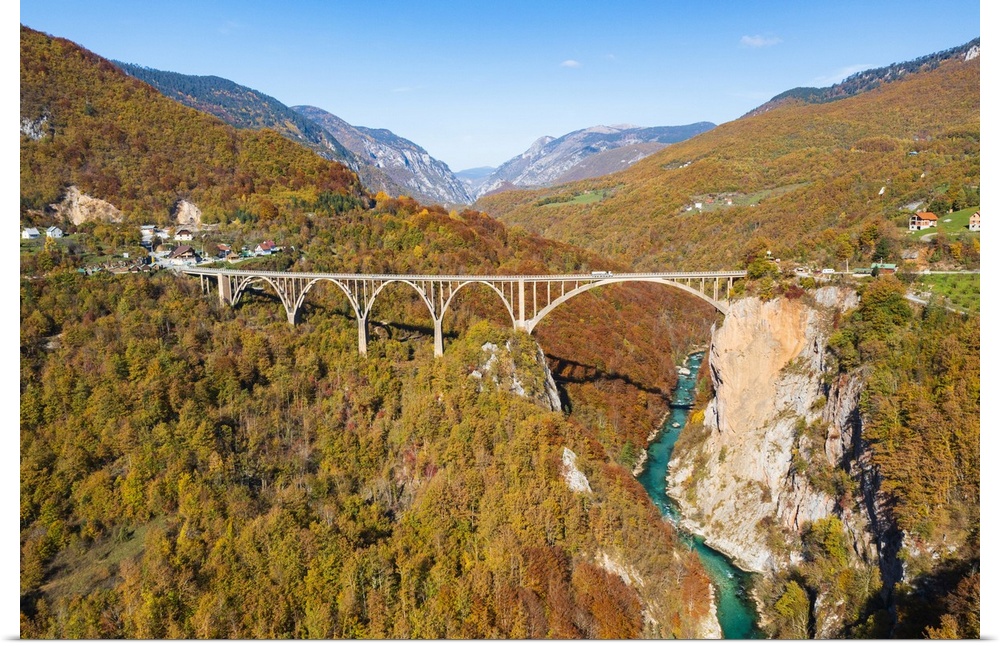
x=581, y=154
x=405, y=167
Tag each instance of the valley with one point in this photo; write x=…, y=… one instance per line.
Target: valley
x=627, y=397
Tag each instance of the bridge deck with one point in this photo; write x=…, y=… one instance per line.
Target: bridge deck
x=669, y=275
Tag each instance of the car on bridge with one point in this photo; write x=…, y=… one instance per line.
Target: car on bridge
x=601, y=274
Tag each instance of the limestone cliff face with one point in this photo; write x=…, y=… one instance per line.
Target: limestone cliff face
x=78, y=208
x=742, y=484
x=187, y=213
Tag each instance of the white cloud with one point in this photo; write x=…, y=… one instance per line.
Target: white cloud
x=841, y=74
x=571, y=63
x=759, y=41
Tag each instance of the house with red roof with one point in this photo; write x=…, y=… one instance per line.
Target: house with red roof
x=923, y=220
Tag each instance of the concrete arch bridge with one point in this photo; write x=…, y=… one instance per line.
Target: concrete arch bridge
x=527, y=299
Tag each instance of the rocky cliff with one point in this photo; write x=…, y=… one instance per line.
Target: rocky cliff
x=79, y=207
x=765, y=362
x=778, y=442
x=402, y=166
x=519, y=367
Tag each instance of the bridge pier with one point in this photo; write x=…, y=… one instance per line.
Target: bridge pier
x=520, y=302
x=362, y=335
x=438, y=338
x=225, y=290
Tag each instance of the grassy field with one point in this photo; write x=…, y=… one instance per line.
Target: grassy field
x=587, y=197
x=960, y=291
x=743, y=199
x=82, y=567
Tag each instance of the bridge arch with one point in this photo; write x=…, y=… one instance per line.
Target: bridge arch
x=242, y=285
x=531, y=324
x=300, y=301
x=508, y=305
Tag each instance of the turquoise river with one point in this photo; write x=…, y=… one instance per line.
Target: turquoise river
x=735, y=609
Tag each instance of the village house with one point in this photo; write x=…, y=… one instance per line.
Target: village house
x=974, y=221
x=182, y=255
x=883, y=269
x=54, y=232
x=30, y=234
x=183, y=234
x=223, y=250
x=266, y=248
x=922, y=220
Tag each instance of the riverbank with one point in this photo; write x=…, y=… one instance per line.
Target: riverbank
x=734, y=608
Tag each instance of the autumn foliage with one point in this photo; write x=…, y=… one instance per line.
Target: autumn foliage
x=814, y=180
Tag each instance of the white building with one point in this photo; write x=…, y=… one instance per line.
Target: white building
x=30, y=234
x=54, y=232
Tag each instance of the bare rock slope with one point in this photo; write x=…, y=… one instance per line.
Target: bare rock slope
x=79, y=207
x=767, y=362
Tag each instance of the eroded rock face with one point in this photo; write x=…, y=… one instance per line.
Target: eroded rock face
x=78, y=208
x=507, y=368
x=576, y=480
x=767, y=363
x=187, y=213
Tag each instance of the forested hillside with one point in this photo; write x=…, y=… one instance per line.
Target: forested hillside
x=188, y=471
x=921, y=412
x=85, y=123
x=240, y=106
x=868, y=80
x=820, y=184
x=193, y=470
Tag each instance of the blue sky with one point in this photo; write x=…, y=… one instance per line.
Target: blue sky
x=476, y=84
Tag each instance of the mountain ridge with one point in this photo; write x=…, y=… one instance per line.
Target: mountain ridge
x=383, y=160
x=405, y=163
x=240, y=106
x=756, y=177
x=386, y=162
x=549, y=160
x=867, y=80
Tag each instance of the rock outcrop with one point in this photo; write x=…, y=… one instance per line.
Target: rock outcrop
x=511, y=369
x=78, y=208
x=187, y=213
x=576, y=480
x=746, y=476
